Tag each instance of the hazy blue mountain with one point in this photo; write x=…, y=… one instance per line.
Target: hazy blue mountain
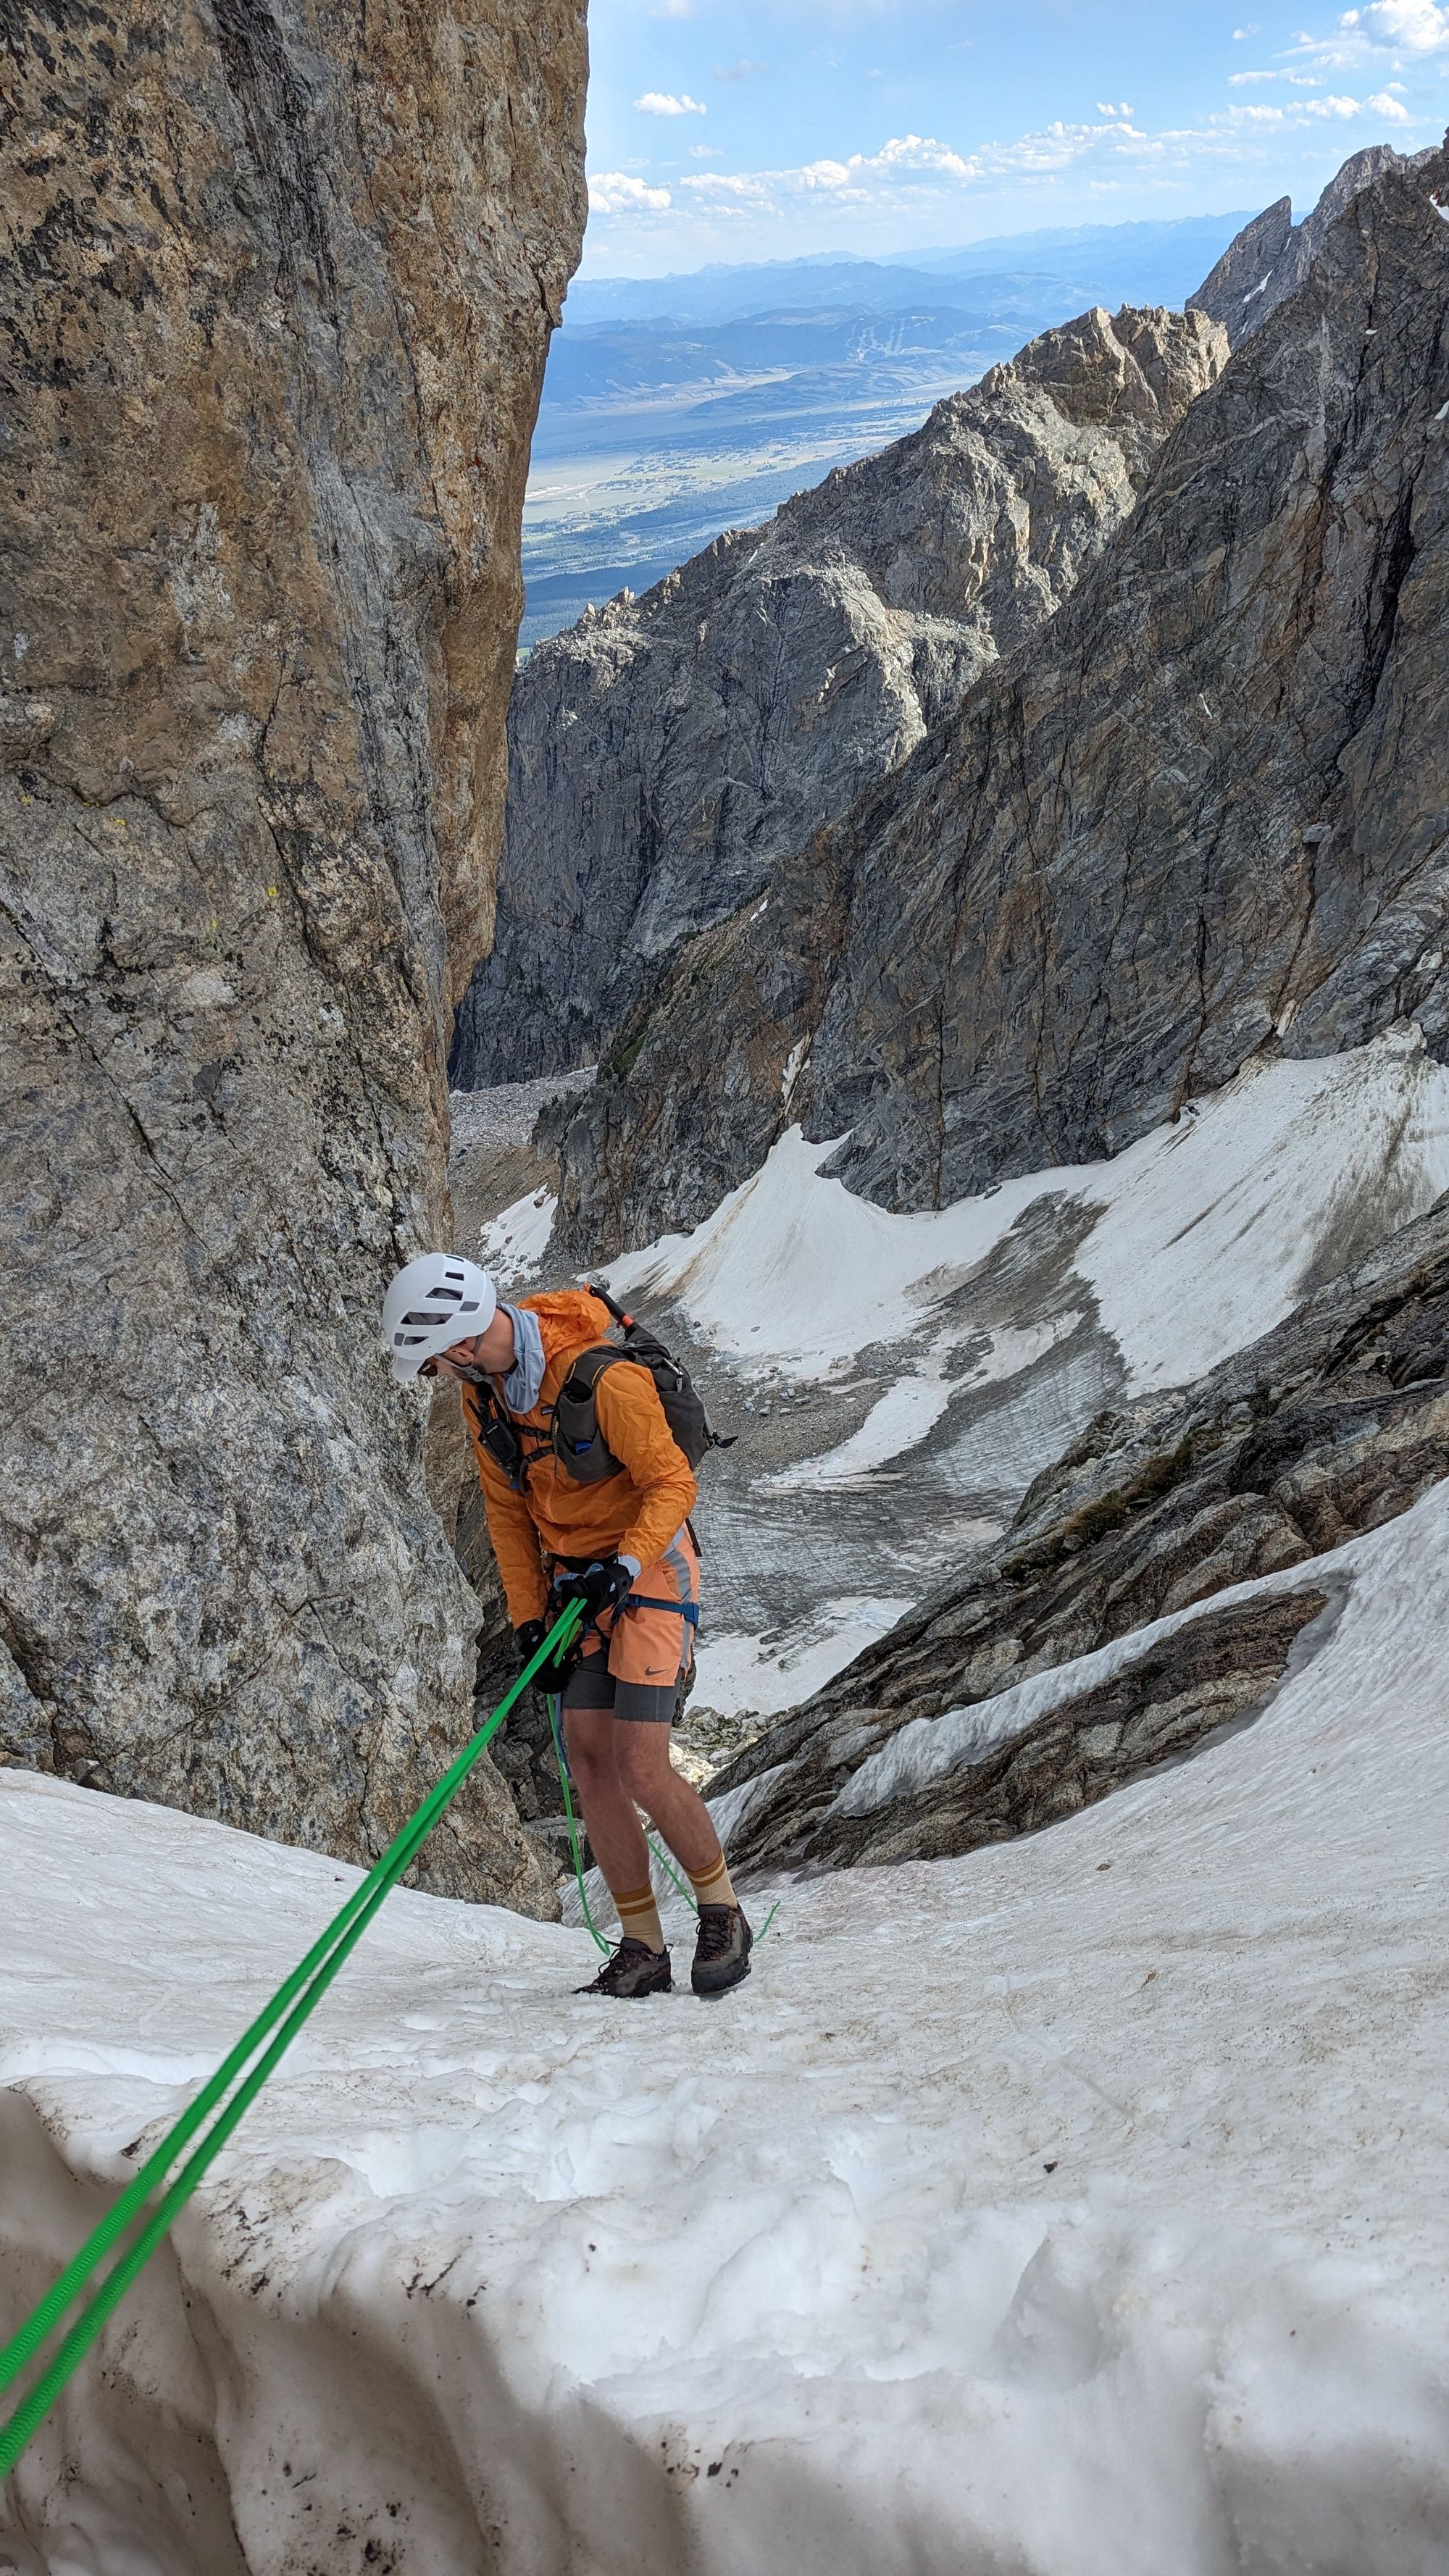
x=675, y=407
x=1146, y=263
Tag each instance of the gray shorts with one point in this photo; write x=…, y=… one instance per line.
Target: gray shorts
x=591, y=1685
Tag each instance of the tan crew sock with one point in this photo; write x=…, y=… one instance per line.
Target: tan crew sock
x=639, y=1915
x=712, y=1886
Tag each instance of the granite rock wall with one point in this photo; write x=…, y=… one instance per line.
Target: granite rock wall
x=279, y=282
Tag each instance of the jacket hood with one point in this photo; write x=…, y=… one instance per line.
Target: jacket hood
x=571, y=1319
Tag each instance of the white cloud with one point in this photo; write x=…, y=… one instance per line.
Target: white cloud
x=705, y=152
x=752, y=186
x=1241, y=80
x=662, y=102
x=1404, y=26
x=915, y=152
x=1105, y=108
x=613, y=192
x=913, y=177
x=1404, y=30
x=1241, y=34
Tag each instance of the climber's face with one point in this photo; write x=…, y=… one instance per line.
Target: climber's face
x=454, y=1362
x=491, y=1351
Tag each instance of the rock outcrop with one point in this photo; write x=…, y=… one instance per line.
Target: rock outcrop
x=668, y=754
x=1205, y=814
x=1331, y=1425
x=1270, y=258
x=279, y=283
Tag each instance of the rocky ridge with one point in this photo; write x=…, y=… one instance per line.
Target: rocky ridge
x=668, y=754
x=279, y=288
x=1270, y=258
x=1205, y=814
x=1333, y=1424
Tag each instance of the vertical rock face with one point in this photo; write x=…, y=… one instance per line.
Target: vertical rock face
x=667, y=754
x=279, y=284
x=1206, y=813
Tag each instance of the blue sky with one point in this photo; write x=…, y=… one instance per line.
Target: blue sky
x=730, y=130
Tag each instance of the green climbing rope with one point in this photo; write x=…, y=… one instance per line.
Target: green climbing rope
x=563, y=1782
x=664, y=1862
x=245, y=2069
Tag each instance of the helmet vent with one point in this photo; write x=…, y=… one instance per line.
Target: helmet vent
x=433, y=1302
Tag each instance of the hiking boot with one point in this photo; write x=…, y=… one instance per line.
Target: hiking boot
x=722, y=1952
x=634, y=1969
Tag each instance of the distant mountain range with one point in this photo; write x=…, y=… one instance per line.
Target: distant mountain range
x=675, y=407
x=1149, y=263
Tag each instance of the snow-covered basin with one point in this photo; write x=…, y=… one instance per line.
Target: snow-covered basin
x=1195, y=1241
x=1080, y=2207
x=1209, y=1230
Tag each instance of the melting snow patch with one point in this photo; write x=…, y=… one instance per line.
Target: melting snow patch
x=739, y=1673
x=901, y=1418
x=512, y=1245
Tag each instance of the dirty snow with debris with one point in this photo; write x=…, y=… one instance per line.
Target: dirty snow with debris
x=1081, y=2206
x=512, y=1245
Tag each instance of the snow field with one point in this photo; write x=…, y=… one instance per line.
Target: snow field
x=1076, y=2208
x=512, y=1245
x=770, y=1675
x=1195, y=1241
x=1209, y=1229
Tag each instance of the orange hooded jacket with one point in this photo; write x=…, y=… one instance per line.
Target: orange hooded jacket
x=635, y=1513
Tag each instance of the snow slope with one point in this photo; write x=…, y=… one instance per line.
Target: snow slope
x=1210, y=1230
x=1080, y=2208
x=977, y=1342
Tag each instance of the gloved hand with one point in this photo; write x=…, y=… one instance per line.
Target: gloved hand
x=550, y=1678
x=601, y=1586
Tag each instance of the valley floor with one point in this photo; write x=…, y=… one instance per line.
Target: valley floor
x=1080, y=2207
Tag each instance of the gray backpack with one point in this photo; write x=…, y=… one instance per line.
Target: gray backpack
x=578, y=1443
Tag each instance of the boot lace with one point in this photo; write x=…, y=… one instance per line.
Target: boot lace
x=716, y=1931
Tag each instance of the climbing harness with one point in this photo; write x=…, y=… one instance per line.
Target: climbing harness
x=272, y=2033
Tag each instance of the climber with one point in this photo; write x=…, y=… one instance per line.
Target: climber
x=621, y=1544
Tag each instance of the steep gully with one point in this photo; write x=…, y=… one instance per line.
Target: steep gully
x=1308, y=596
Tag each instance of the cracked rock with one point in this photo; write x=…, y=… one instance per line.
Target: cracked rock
x=277, y=301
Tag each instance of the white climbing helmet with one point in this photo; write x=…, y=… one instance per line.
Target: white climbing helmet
x=431, y=1304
